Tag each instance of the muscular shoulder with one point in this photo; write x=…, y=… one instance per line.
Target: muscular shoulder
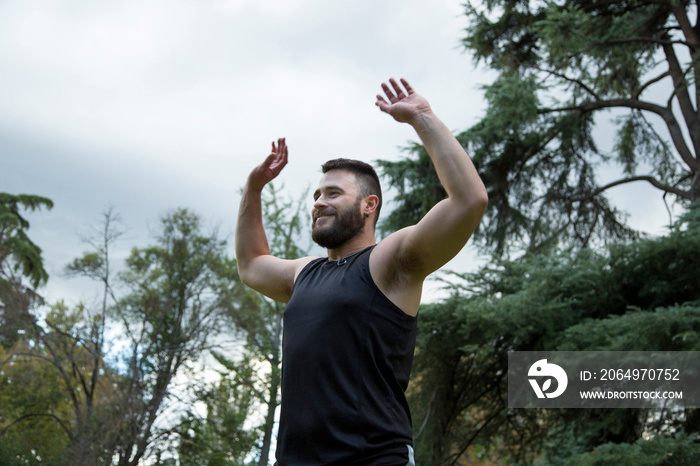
x=272, y=276
x=397, y=272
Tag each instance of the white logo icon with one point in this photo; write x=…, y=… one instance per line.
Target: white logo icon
x=543, y=369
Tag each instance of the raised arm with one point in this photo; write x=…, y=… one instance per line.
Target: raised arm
x=271, y=276
x=445, y=229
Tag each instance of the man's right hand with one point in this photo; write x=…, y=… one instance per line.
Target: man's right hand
x=271, y=167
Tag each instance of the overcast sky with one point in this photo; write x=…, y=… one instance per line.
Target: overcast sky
x=153, y=105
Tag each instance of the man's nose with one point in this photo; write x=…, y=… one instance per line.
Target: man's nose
x=320, y=203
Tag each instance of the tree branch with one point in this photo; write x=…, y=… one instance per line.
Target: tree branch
x=651, y=40
x=601, y=104
x=571, y=80
x=664, y=112
x=649, y=83
x=427, y=415
x=684, y=101
x=27, y=416
x=687, y=28
x=468, y=442
x=656, y=183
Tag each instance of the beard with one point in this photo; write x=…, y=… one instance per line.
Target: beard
x=347, y=225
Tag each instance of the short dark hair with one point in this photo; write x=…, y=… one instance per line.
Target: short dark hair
x=365, y=174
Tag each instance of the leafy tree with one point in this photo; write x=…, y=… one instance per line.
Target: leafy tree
x=660, y=450
x=167, y=308
x=639, y=296
x=18, y=254
x=178, y=291
x=284, y=220
x=68, y=349
x=222, y=437
x=20, y=258
x=55, y=382
x=33, y=408
x=561, y=66
x=258, y=320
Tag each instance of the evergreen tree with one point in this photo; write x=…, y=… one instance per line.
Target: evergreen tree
x=20, y=260
x=561, y=66
x=640, y=296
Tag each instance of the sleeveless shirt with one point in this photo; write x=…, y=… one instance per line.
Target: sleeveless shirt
x=347, y=352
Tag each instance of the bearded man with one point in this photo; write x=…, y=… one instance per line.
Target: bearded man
x=350, y=321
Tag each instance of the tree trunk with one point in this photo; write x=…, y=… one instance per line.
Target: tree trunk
x=270, y=417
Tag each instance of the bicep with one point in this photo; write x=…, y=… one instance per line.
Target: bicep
x=272, y=276
x=439, y=235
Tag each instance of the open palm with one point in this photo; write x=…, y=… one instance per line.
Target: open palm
x=272, y=166
x=403, y=104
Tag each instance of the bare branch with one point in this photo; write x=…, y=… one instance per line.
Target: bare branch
x=649, y=83
x=656, y=183
x=571, y=80
x=664, y=112
x=651, y=40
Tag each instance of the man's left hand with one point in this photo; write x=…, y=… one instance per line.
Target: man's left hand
x=404, y=105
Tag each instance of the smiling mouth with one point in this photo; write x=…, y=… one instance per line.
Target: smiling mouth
x=319, y=217
x=323, y=214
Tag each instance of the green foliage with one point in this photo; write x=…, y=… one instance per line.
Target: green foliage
x=285, y=220
x=222, y=438
x=20, y=259
x=31, y=407
x=241, y=407
x=641, y=296
x=78, y=408
x=17, y=252
x=417, y=186
x=59, y=393
x=658, y=451
x=259, y=319
x=561, y=66
x=62, y=402
x=179, y=289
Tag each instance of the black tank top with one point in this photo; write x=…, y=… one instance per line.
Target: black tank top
x=347, y=356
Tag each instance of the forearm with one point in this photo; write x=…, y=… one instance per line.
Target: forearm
x=452, y=164
x=251, y=241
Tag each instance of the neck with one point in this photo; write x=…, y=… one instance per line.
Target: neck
x=352, y=246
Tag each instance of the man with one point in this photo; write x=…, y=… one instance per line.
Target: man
x=350, y=321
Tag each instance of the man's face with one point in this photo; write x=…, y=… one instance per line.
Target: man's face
x=337, y=213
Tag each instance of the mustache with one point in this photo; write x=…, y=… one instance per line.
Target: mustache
x=324, y=212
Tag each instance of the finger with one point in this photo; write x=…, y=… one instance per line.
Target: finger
x=285, y=152
x=399, y=92
x=269, y=160
x=280, y=152
x=389, y=93
x=408, y=87
x=382, y=104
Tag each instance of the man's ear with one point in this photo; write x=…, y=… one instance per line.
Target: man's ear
x=371, y=203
